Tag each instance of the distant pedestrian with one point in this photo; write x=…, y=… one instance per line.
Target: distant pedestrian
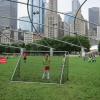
x=90, y=58
x=24, y=57
x=93, y=58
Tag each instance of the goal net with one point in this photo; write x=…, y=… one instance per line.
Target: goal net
x=32, y=67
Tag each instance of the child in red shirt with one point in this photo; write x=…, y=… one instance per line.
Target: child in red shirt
x=46, y=63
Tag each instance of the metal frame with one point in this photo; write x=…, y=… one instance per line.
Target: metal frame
x=63, y=67
x=36, y=83
x=60, y=81
x=15, y=68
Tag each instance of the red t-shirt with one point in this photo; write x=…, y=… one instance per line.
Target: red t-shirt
x=25, y=57
x=47, y=68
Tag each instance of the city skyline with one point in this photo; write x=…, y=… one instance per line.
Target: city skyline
x=63, y=6
x=8, y=9
x=94, y=16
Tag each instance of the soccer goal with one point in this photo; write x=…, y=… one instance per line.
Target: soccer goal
x=41, y=66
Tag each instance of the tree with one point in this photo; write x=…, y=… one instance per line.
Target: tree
x=59, y=46
x=79, y=40
x=2, y=49
x=63, y=46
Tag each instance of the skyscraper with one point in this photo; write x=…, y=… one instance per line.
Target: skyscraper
x=68, y=23
x=79, y=26
x=53, y=21
x=75, y=6
x=53, y=5
x=94, y=17
x=37, y=15
x=8, y=9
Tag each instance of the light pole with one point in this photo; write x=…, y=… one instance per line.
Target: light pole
x=75, y=23
x=76, y=16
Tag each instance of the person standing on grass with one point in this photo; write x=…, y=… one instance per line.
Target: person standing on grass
x=93, y=58
x=24, y=57
x=46, y=63
x=90, y=58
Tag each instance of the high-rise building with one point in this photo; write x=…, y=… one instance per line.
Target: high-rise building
x=19, y=35
x=75, y=6
x=79, y=25
x=8, y=9
x=53, y=5
x=28, y=38
x=94, y=17
x=37, y=15
x=53, y=21
x=95, y=36
x=98, y=33
x=8, y=36
x=53, y=25
x=68, y=23
x=25, y=25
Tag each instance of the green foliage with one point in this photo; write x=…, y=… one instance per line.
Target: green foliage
x=2, y=49
x=62, y=46
x=59, y=46
x=5, y=49
x=19, y=45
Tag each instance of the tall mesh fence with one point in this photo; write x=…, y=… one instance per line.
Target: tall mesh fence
x=33, y=69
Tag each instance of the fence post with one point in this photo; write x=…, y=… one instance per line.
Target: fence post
x=51, y=51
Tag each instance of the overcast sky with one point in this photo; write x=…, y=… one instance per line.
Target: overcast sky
x=63, y=6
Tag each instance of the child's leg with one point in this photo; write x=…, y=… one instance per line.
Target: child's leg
x=48, y=75
x=24, y=60
x=43, y=76
x=92, y=59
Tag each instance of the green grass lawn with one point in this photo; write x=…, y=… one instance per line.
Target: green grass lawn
x=33, y=69
x=83, y=84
